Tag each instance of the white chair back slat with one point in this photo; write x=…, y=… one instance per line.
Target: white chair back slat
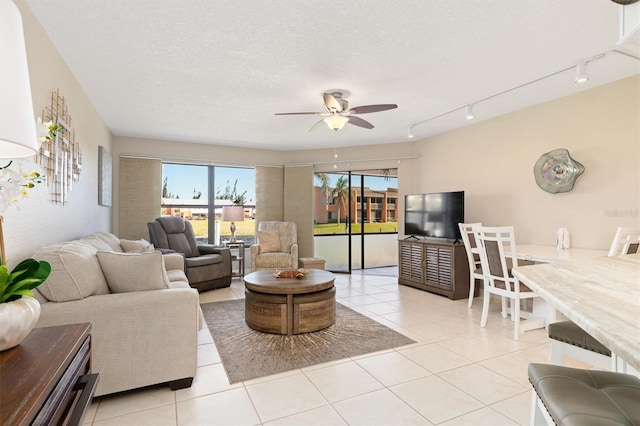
x=469, y=241
x=626, y=241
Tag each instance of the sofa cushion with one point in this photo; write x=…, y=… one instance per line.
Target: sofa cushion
x=204, y=260
x=75, y=271
x=269, y=241
x=177, y=279
x=127, y=272
x=112, y=242
x=173, y=261
x=136, y=246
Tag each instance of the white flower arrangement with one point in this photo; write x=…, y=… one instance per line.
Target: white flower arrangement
x=16, y=185
x=46, y=130
x=19, y=177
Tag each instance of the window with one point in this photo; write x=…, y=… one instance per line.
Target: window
x=194, y=191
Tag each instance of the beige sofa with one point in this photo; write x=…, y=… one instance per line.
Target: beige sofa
x=145, y=318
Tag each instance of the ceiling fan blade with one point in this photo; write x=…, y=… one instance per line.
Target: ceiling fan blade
x=357, y=121
x=301, y=113
x=317, y=125
x=332, y=103
x=371, y=108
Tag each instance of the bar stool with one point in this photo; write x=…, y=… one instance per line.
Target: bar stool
x=569, y=340
x=571, y=396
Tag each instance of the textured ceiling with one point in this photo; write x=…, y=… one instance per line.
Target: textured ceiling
x=213, y=71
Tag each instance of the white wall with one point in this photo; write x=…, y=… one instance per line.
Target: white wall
x=493, y=161
x=35, y=221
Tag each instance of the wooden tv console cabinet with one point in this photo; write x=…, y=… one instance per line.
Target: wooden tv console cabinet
x=434, y=265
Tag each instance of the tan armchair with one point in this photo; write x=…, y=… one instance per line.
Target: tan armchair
x=207, y=266
x=277, y=246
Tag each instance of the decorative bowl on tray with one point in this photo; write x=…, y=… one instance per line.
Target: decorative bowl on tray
x=291, y=273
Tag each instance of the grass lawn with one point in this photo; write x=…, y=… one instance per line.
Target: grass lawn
x=370, y=228
x=247, y=227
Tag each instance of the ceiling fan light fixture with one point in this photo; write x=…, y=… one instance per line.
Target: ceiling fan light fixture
x=336, y=121
x=581, y=73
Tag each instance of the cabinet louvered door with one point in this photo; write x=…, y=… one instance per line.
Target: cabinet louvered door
x=439, y=266
x=411, y=262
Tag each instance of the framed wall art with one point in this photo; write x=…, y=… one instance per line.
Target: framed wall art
x=104, y=176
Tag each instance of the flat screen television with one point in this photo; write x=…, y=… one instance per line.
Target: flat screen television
x=434, y=215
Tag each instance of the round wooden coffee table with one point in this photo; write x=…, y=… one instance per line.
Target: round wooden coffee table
x=290, y=305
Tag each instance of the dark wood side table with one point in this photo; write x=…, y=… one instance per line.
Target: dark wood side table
x=46, y=379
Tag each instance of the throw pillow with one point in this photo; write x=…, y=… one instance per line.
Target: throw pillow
x=136, y=246
x=127, y=272
x=269, y=241
x=75, y=271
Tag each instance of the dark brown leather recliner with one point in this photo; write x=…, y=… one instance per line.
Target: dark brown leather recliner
x=207, y=266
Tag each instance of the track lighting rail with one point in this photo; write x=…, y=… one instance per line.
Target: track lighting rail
x=580, y=67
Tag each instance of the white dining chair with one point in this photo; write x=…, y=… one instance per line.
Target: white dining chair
x=493, y=243
x=625, y=241
x=475, y=269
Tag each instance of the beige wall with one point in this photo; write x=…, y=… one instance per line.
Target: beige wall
x=492, y=162
x=35, y=221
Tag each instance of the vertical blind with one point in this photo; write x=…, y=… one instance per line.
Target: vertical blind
x=140, y=195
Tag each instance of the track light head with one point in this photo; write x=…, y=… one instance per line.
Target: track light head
x=469, y=112
x=581, y=73
x=410, y=134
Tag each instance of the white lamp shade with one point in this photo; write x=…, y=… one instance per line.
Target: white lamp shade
x=233, y=213
x=336, y=122
x=18, y=136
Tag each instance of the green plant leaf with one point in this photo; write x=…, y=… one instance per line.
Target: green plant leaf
x=26, y=276
x=27, y=283
x=17, y=295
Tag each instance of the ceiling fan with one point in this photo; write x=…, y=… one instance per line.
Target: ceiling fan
x=338, y=113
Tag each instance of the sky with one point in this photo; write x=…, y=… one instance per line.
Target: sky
x=183, y=179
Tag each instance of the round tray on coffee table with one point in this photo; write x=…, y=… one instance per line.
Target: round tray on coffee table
x=290, y=305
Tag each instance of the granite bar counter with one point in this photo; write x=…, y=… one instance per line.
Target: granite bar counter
x=601, y=295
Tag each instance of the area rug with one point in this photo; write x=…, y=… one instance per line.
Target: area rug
x=248, y=354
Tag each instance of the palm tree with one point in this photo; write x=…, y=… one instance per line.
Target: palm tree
x=340, y=194
x=323, y=178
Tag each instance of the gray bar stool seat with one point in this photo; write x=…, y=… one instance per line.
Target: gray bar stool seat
x=572, y=396
x=569, y=332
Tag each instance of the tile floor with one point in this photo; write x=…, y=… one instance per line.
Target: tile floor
x=456, y=374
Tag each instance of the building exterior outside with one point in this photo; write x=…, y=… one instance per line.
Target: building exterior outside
x=379, y=206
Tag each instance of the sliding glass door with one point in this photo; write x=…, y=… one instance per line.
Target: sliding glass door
x=355, y=219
